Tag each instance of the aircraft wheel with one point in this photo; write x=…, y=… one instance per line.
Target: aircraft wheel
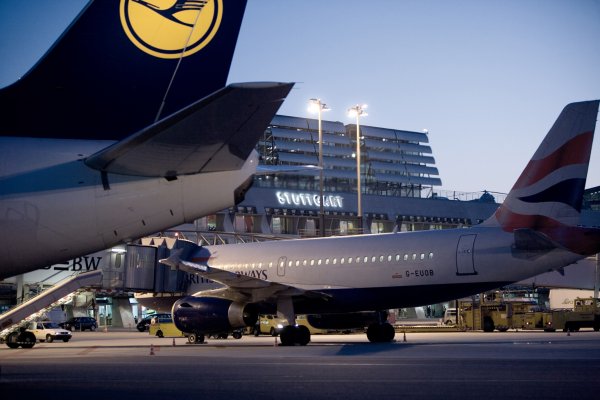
x=287, y=335
x=374, y=333
x=302, y=335
x=196, y=338
x=237, y=335
x=387, y=332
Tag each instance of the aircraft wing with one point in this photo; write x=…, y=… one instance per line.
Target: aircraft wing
x=214, y=134
x=253, y=289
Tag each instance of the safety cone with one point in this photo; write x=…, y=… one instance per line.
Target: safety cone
x=173, y=341
x=405, y=336
x=151, y=349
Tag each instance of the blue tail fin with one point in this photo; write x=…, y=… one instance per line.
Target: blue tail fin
x=123, y=64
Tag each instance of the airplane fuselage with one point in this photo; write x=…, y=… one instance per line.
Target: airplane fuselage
x=53, y=207
x=385, y=271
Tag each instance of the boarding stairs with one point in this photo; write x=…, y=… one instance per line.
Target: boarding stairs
x=37, y=306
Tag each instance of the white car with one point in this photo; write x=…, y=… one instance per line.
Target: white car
x=48, y=332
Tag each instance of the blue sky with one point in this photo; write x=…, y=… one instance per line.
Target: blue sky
x=486, y=78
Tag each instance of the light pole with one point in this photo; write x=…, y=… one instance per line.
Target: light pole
x=318, y=106
x=358, y=111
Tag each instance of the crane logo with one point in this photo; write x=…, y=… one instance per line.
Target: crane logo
x=171, y=28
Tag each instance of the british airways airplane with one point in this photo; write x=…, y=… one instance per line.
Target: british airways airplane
x=535, y=230
x=125, y=128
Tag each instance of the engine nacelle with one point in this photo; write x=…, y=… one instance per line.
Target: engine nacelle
x=212, y=315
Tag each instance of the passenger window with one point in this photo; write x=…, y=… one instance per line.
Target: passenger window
x=397, y=257
x=422, y=256
x=334, y=261
x=327, y=261
x=319, y=262
x=389, y=258
x=290, y=263
x=349, y=260
x=312, y=262
x=366, y=260
x=381, y=258
x=430, y=256
x=406, y=257
x=297, y=263
x=342, y=260
x=304, y=262
x=414, y=257
x=373, y=259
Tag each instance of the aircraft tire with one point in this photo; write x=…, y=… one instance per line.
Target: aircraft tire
x=287, y=335
x=374, y=333
x=387, y=332
x=196, y=338
x=237, y=335
x=302, y=335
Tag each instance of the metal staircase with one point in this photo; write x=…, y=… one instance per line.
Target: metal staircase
x=37, y=306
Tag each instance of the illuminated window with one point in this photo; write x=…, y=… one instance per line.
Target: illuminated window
x=342, y=260
x=366, y=260
x=430, y=256
x=406, y=257
x=390, y=257
x=422, y=256
x=319, y=262
x=304, y=262
x=414, y=257
x=271, y=264
x=312, y=262
x=373, y=259
x=397, y=257
x=297, y=263
x=349, y=260
x=290, y=263
x=381, y=258
x=327, y=261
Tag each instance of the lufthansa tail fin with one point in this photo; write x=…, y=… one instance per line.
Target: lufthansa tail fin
x=121, y=66
x=548, y=195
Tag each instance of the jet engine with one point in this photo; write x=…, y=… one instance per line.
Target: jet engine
x=201, y=315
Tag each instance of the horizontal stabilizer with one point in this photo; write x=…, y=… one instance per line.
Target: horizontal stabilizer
x=214, y=134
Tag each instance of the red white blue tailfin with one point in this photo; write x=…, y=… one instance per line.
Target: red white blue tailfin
x=548, y=195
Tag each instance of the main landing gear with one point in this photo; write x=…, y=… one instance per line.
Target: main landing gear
x=294, y=334
x=380, y=333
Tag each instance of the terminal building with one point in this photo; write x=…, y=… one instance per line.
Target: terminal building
x=400, y=191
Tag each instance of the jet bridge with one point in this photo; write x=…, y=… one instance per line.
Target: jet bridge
x=35, y=307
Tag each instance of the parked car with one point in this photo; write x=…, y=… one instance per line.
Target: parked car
x=46, y=331
x=80, y=324
x=144, y=324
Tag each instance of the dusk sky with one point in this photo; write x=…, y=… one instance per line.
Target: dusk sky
x=487, y=79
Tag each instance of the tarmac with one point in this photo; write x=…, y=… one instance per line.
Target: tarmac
x=458, y=365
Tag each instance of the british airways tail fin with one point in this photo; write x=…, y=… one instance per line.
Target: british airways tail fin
x=122, y=65
x=548, y=195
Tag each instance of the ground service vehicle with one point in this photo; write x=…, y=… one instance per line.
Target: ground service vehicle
x=585, y=314
x=500, y=315
x=165, y=329
x=145, y=323
x=47, y=331
x=80, y=324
